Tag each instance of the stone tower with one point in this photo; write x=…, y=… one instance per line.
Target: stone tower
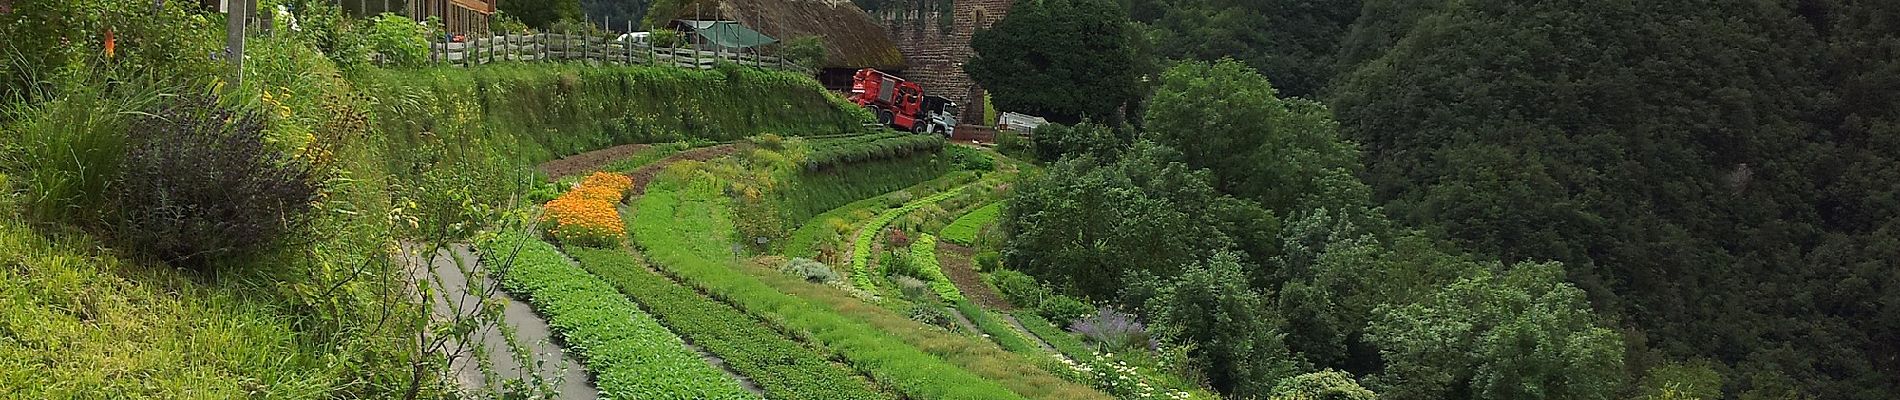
x=936, y=45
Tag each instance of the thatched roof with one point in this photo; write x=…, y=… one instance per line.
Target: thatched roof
x=852, y=39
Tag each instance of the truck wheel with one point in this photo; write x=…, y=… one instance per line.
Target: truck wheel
x=883, y=117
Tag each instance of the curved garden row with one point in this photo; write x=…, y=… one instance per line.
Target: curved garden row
x=806, y=239
x=631, y=355
x=964, y=230
x=923, y=254
x=783, y=368
x=684, y=229
x=861, y=247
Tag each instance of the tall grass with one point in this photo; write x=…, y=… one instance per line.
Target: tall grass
x=66, y=151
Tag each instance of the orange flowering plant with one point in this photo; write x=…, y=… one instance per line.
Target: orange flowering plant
x=585, y=215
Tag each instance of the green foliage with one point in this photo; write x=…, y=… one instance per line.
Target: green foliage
x=401, y=41
x=1063, y=341
x=1226, y=118
x=861, y=248
x=807, y=51
x=784, y=368
x=49, y=42
x=1019, y=288
x=65, y=152
x=1087, y=224
x=997, y=330
x=199, y=184
x=1060, y=307
x=923, y=255
x=1520, y=333
x=1065, y=60
x=1682, y=381
x=1055, y=141
x=834, y=153
x=629, y=353
x=1322, y=385
x=964, y=230
x=971, y=159
x=1236, y=339
x=681, y=225
x=530, y=113
x=1295, y=42
x=503, y=23
x=542, y=14
x=831, y=228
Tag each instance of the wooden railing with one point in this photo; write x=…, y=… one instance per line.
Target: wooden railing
x=559, y=47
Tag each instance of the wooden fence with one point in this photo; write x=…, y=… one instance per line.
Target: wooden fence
x=559, y=47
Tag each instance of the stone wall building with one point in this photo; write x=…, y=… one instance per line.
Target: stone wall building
x=934, y=36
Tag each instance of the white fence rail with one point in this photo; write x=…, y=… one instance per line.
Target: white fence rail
x=559, y=47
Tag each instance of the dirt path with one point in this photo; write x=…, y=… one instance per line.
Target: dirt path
x=955, y=262
x=454, y=298
x=645, y=175
x=1018, y=324
x=588, y=162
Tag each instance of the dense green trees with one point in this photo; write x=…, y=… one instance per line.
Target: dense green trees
x=1065, y=60
x=542, y=14
x=1292, y=42
x=1226, y=118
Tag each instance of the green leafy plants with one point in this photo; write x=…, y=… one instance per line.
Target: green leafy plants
x=400, y=40
x=199, y=182
x=964, y=230
x=923, y=256
x=827, y=154
x=630, y=354
x=834, y=225
x=861, y=250
x=682, y=226
x=783, y=368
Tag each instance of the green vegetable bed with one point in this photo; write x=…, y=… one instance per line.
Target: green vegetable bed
x=861, y=248
x=630, y=354
x=784, y=368
x=923, y=254
x=963, y=231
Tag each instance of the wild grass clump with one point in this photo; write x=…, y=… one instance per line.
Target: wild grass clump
x=199, y=182
x=65, y=152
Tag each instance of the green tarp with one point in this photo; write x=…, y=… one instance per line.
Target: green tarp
x=728, y=34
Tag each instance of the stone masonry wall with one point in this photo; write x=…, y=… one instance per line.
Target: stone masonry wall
x=936, y=55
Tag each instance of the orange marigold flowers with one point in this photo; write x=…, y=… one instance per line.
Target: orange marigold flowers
x=586, y=214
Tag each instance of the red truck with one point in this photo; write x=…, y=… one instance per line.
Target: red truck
x=902, y=104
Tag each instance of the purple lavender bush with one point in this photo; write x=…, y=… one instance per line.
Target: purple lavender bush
x=1112, y=330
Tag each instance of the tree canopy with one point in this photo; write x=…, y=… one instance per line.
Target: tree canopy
x=1065, y=60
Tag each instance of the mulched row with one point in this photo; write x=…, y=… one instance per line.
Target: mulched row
x=588, y=162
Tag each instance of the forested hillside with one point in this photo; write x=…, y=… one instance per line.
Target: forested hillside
x=1714, y=182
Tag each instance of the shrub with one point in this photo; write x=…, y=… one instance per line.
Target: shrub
x=1019, y=288
x=812, y=271
x=896, y=238
x=912, y=288
x=931, y=315
x=806, y=51
x=1058, y=307
x=895, y=263
x=971, y=159
x=663, y=37
x=587, y=215
x=323, y=25
x=400, y=40
x=1113, y=330
x=199, y=181
x=987, y=260
x=503, y=23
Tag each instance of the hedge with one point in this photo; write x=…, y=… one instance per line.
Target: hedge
x=923, y=255
x=783, y=368
x=630, y=354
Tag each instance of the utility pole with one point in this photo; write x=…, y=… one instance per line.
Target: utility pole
x=234, y=37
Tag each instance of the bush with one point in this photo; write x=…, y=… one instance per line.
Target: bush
x=1113, y=330
x=812, y=271
x=971, y=159
x=663, y=37
x=502, y=23
x=912, y=288
x=199, y=182
x=400, y=40
x=806, y=51
x=1019, y=288
x=895, y=263
x=323, y=25
x=987, y=260
x=931, y=315
x=1058, y=307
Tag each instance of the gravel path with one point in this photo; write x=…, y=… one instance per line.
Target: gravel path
x=453, y=298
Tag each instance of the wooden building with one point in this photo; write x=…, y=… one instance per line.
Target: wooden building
x=465, y=17
x=852, y=39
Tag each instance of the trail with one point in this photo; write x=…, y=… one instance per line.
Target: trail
x=956, y=264
x=450, y=267
x=590, y=161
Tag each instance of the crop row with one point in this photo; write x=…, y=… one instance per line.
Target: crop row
x=783, y=368
x=861, y=249
x=998, y=330
x=819, y=229
x=1063, y=341
x=631, y=355
x=923, y=255
x=963, y=231
x=833, y=153
x=682, y=233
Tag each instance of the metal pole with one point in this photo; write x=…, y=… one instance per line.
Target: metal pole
x=234, y=38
